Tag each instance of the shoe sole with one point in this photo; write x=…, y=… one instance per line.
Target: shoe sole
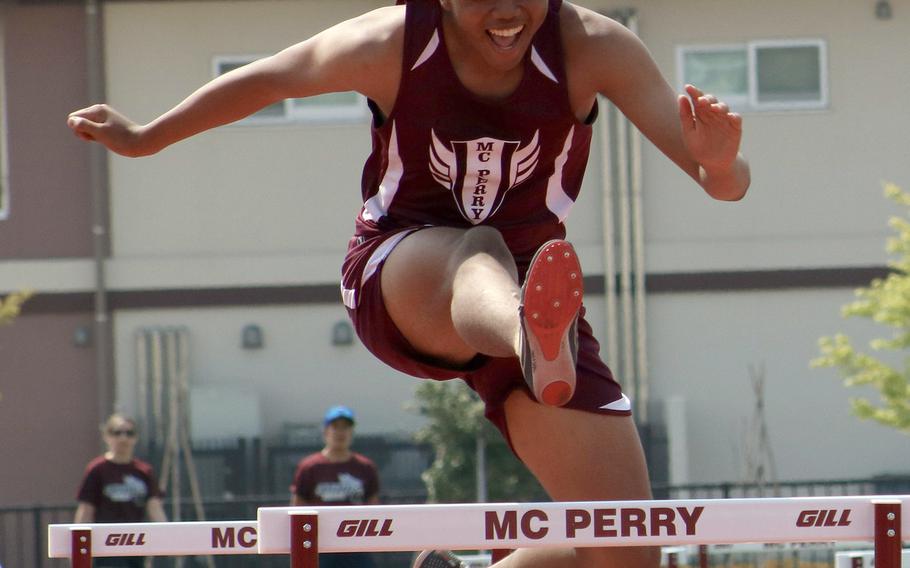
x=551, y=297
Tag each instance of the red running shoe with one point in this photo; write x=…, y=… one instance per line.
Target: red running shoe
x=550, y=300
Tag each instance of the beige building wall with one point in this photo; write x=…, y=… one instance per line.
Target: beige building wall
x=816, y=198
x=263, y=206
x=264, y=198
x=292, y=380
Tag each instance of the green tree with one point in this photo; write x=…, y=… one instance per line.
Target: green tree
x=12, y=305
x=456, y=420
x=885, y=301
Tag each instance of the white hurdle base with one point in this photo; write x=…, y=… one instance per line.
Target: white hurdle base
x=303, y=533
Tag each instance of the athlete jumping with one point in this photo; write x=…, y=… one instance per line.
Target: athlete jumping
x=482, y=114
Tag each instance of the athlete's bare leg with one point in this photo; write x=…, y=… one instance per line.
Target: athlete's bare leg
x=579, y=456
x=454, y=293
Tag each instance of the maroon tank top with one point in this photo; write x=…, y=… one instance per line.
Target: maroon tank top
x=446, y=157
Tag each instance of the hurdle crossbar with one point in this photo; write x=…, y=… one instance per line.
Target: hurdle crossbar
x=153, y=539
x=303, y=532
x=581, y=524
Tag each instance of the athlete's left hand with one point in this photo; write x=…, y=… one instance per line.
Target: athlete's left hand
x=711, y=133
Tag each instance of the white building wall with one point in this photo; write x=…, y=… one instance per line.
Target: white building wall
x=297, y=374
x=816, y=198
x=249, y=206
x=701, y=348
x=239, y=193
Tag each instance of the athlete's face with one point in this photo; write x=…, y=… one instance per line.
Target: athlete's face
x=500, y=31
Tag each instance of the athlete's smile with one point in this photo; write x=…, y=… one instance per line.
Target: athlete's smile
x=505, y=38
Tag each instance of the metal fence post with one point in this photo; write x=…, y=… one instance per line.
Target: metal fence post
x=39, y=535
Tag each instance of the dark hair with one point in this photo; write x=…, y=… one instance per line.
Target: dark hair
x=117, y=417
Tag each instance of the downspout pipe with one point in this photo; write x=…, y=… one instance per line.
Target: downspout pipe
x=608, y=194
x=638, y=244
x=98, y=179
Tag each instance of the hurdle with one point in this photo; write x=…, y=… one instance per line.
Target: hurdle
x=304, y=532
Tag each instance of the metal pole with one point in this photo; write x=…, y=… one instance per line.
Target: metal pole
x=97, y=175
x=627, y=366
x=481, y=467
x=638, y=245
x=38, y=527
x=609, y=242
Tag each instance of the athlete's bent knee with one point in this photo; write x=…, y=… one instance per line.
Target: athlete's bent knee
x=485, y=240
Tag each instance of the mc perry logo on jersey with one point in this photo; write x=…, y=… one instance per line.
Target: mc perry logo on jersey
x=480, y=172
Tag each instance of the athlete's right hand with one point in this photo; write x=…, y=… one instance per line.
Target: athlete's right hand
x=103, y=124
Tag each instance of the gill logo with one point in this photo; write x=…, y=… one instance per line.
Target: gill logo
x=824, y=518
x=364, y=527
x=125, y=539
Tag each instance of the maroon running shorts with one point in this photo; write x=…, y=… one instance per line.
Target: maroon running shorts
x=492, y=378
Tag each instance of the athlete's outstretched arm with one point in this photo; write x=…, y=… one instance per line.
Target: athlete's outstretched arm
x=695, y=130
x=355, y=55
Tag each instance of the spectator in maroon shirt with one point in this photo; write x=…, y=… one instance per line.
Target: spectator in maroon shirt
x=337, y=476
x=119, y=488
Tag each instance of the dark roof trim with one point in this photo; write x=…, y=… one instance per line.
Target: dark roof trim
x=666, y=283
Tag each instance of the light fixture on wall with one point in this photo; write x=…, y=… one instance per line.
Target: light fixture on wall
x=251, y=337
x=82, y=337
x=342, y=333
x=883, y=10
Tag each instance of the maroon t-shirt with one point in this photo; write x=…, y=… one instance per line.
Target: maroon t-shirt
x=447, y=157
x=118, y=491
x=319, y=481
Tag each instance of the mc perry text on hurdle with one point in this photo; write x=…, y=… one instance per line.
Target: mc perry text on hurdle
x=611, y=522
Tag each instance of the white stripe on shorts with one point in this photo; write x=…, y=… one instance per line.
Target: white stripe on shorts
x=349, y=295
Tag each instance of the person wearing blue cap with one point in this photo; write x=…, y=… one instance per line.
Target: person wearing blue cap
x=336, y=475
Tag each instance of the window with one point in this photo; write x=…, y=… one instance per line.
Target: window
x=759, y=75
x=329, y=108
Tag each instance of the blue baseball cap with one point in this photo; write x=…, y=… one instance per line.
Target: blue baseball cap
x=337, y=413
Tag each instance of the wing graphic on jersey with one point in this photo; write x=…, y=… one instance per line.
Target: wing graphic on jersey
x=481, y=171
x=525, y=160
x=442, y=161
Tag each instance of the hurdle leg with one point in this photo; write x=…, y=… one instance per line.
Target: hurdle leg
x=887, y=533
x=304, y=541
x=81, y=548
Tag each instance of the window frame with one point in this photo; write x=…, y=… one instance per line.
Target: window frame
x=733, y=99
x=749, y=102
x=295, y=113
